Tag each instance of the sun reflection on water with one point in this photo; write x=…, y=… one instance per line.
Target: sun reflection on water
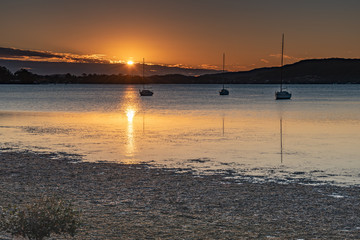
x=130, y=109
x=130, y=113
x=130, y=143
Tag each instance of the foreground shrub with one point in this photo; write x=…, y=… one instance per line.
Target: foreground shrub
x=40, y=219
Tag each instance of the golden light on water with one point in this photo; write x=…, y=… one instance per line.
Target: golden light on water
x=130, y=109
x=130, y=145
x=130, y=113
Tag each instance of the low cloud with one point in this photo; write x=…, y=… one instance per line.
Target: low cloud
x=293, y=59
x=209, y=66
x=34, y=55
x=12, y=52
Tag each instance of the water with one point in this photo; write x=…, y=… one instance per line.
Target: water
x=191, y=126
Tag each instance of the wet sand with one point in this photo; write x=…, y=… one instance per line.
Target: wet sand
x=141, y=202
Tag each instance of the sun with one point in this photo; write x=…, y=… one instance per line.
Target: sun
x=130, y=62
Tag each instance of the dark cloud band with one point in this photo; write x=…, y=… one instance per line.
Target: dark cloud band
x=12, y=52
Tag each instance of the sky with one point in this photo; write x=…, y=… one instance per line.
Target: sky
x=188, y=33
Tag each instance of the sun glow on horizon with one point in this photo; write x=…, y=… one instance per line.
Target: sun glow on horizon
x=130, y=63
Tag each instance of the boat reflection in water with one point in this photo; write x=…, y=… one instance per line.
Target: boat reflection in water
x=223, y=130
x=281, y=141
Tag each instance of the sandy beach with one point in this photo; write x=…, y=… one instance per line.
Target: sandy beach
x=142, y=202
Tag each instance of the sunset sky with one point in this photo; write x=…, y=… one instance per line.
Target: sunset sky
x=192, y=33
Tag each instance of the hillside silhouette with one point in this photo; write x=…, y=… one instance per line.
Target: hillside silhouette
x=314, y=71
x=319, y=71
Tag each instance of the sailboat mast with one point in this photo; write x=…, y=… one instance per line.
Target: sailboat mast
x=143, y=73
x=282, y=63
x=223, y=62
x=223, y=69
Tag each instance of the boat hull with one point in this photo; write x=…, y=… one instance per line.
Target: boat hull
x=145, y=92
x=282, y=95
x=224, y=92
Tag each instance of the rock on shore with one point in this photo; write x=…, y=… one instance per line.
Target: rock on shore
x=120, y=201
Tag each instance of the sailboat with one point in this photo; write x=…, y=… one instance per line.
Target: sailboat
x=223, y=91
x=282, y=94
x=145, y=92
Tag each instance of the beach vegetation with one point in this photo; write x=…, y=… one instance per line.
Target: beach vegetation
x=40, y=219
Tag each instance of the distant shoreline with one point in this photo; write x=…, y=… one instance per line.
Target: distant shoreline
x=315, y=71
x=140, y=84
x=139, y=201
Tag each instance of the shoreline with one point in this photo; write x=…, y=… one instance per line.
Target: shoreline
x=137, y=201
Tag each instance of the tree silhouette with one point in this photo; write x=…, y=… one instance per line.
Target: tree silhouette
x=25, y=76
x=5, y=75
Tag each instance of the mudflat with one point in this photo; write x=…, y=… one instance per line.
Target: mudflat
x=119, y=201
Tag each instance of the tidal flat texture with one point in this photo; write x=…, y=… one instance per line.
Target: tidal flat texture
x=141, y=202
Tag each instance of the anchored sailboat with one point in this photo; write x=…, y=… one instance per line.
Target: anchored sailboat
x=223, y=91
x=282, y=94
x=145, y=92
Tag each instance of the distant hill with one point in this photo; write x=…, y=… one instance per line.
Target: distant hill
x=334, y=70
x=315, y=71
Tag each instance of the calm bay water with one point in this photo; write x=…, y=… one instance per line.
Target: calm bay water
x=191, y=126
